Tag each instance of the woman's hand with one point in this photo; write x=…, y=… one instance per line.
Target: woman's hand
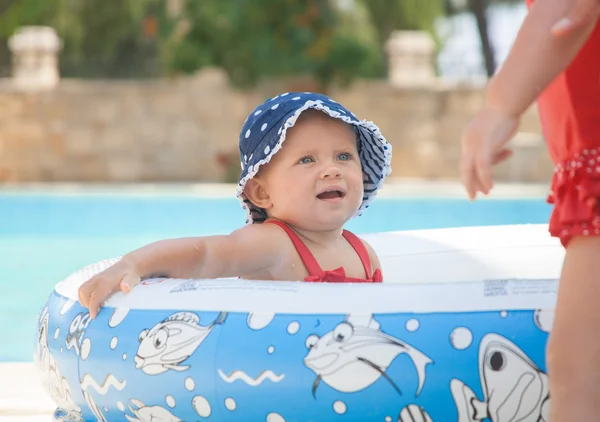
x=483, y=145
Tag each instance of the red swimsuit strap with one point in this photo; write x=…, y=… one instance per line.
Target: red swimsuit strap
x=311, y=264
x=361, y=250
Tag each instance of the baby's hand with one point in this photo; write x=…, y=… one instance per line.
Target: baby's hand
x=120, y=276
x=483, y=146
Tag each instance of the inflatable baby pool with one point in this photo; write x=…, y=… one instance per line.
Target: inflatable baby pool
x=457, y=332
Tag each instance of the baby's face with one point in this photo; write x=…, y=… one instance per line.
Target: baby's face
x=315, y=181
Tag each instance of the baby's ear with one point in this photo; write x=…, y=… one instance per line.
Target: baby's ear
x=256, y=193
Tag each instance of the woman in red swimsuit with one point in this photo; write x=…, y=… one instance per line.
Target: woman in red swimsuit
x=556, y=62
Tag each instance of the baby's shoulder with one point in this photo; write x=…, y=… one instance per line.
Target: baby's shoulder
x=372, y=254
x=262, y=234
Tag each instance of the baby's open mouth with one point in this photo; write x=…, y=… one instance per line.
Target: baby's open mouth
x=331, y=194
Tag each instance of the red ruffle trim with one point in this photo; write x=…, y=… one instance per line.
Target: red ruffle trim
x=575, y=195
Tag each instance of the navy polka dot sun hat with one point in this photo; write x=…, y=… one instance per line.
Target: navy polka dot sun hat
x=264, y=131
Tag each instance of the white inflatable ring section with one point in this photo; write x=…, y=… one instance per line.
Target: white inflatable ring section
x=442, y=270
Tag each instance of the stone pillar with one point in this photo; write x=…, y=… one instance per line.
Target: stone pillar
x=410, y=59
x=174, y=8
x=35, y=57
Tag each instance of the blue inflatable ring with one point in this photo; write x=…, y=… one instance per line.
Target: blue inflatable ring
x=457, y=332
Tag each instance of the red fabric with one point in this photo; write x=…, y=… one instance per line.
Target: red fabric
x=316, y=274
x=569, y=110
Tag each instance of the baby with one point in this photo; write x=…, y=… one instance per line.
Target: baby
x=308, y=166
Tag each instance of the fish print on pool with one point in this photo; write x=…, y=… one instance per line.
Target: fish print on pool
x=182, y=365
x=356, y=353
x=514, y=388
x=171, y=342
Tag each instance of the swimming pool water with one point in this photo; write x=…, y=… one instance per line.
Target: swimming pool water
x=46, y=237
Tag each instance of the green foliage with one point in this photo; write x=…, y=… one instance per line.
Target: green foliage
x=100, y=38
x=386, y=16
x=16, y=13
x=108, y=39
x=253, y=40
x=390, y=15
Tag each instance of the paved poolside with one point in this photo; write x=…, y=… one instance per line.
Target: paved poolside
x=22, y=397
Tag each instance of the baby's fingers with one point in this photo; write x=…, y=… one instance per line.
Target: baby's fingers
x=100, y=290
x=85, y=291
x=96, y=300
x=129, y=281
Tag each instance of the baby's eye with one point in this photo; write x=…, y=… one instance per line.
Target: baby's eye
x=345, y=156
x=306, y=160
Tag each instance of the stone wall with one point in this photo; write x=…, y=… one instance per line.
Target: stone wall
x=186, y=129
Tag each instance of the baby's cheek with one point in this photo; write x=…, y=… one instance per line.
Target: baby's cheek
x=358, y=181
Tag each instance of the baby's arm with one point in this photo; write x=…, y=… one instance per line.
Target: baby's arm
x=251, y=249
x=536, y=57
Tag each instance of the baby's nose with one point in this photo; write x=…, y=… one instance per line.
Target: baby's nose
x=331, y=171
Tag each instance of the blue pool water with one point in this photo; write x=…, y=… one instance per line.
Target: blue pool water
x=44, y=238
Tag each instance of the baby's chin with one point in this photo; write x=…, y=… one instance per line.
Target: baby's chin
x=324, y=222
